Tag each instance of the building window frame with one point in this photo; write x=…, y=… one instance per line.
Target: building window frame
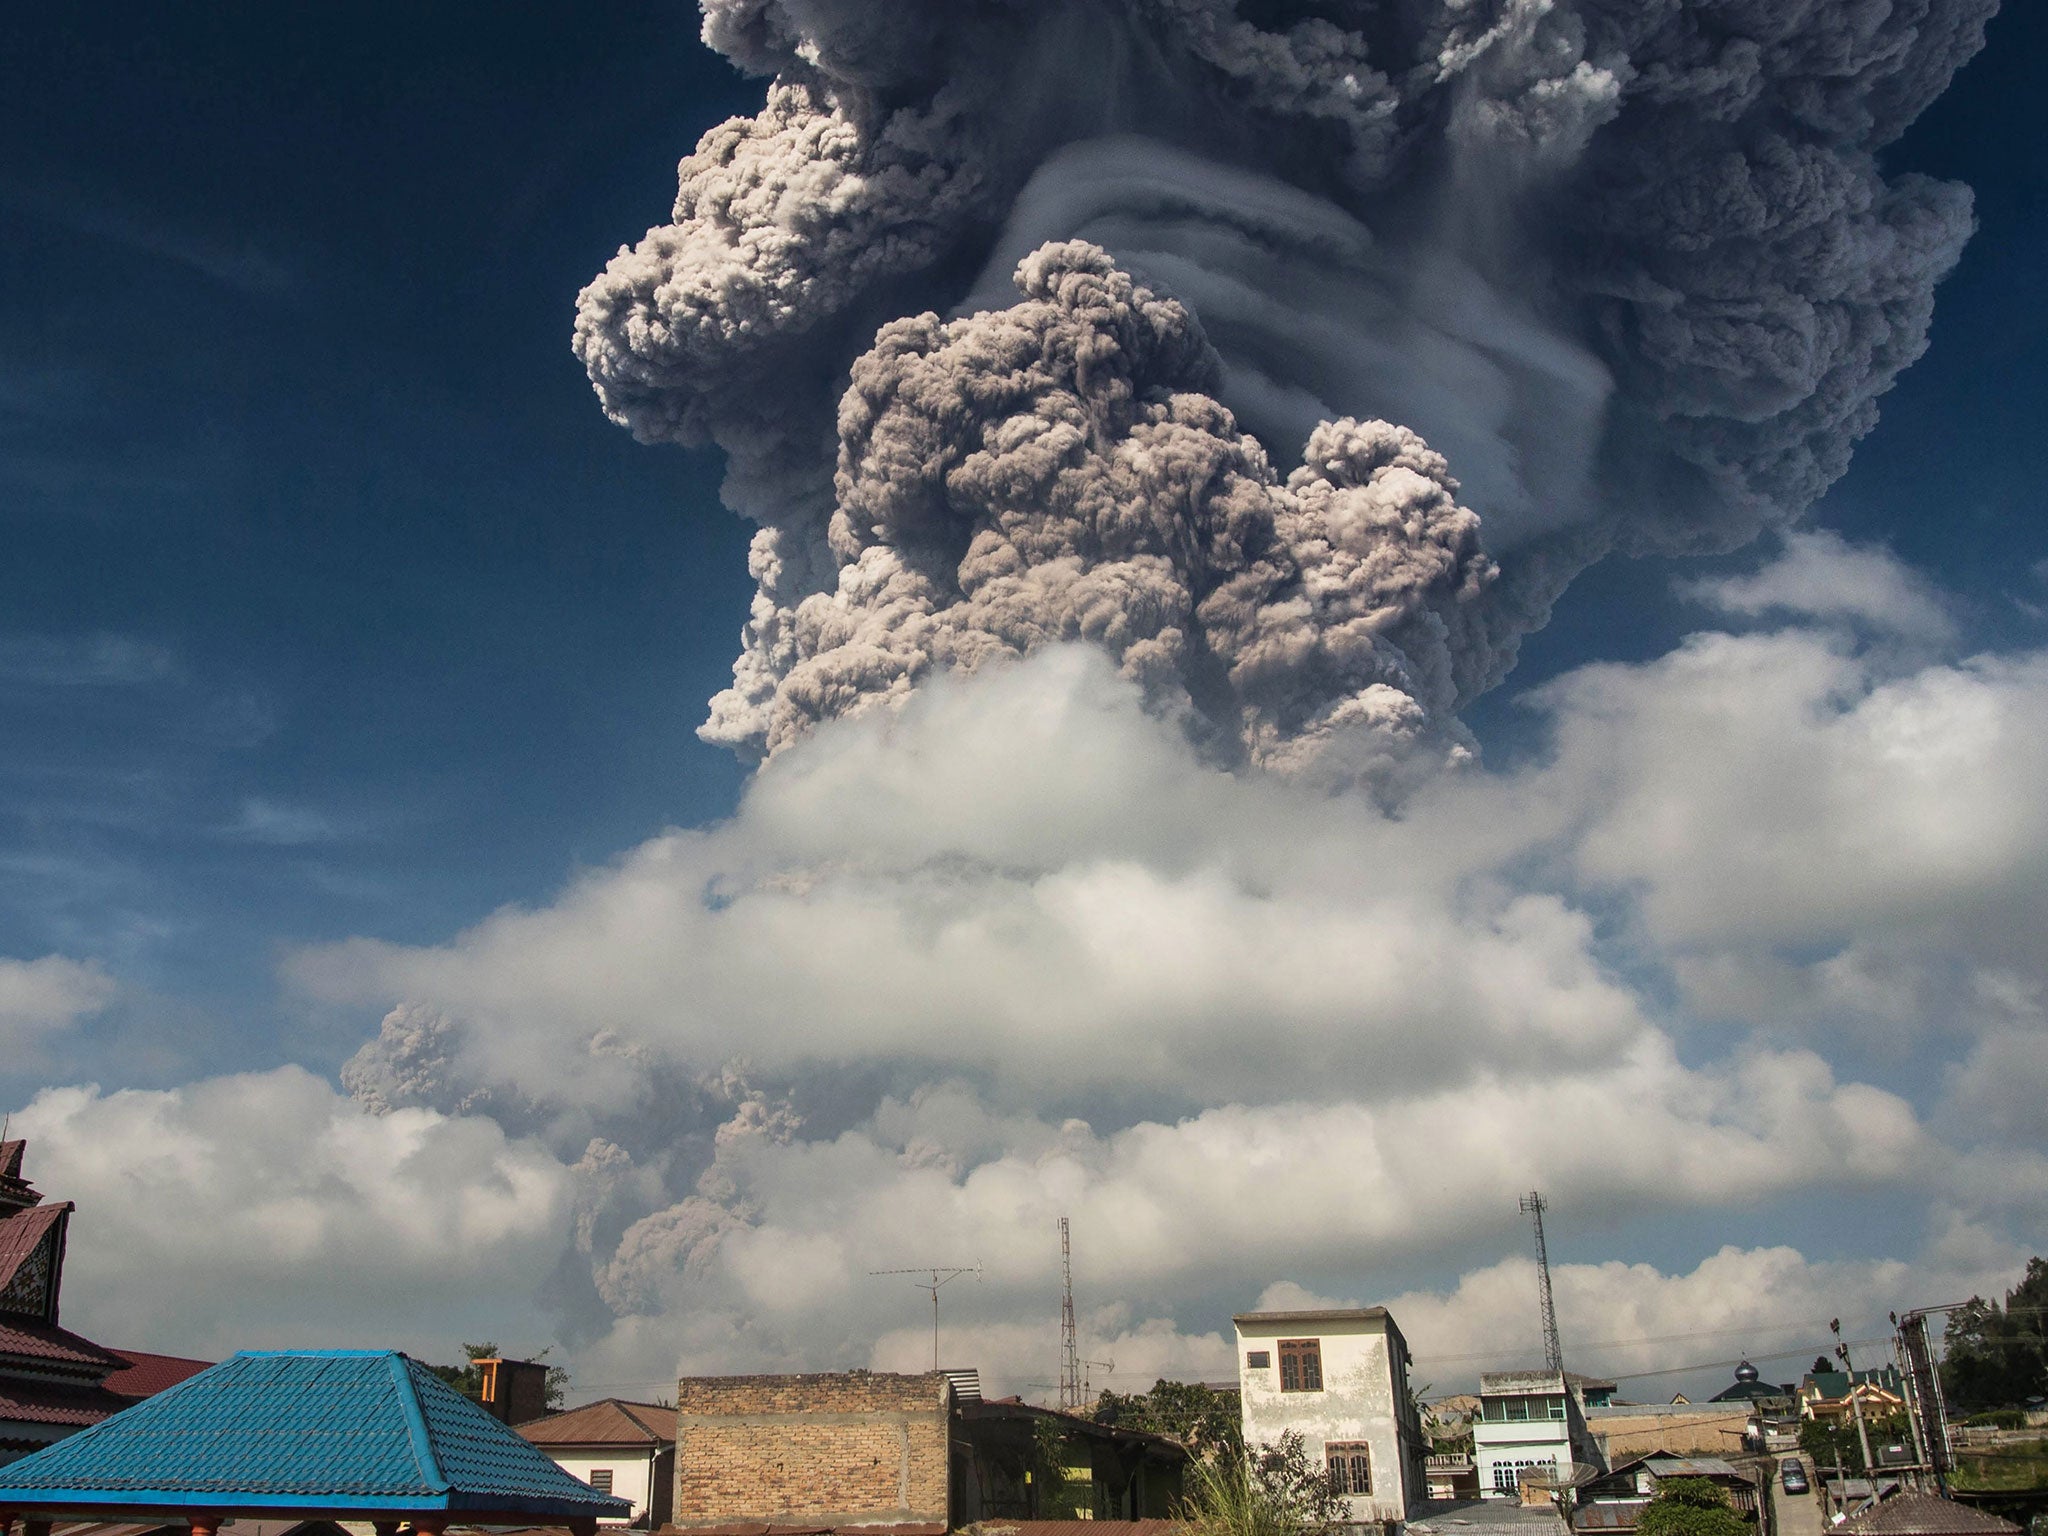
x=1301, y=1365
x=1350, y=1467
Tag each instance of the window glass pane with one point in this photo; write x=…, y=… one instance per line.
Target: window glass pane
x=1258, y=1359
x=1518, y=1408
x=1301, y=1365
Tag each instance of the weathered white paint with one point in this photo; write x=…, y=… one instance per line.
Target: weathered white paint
x=1550, y=1436
x=1364, y=1397
x=630, y=1472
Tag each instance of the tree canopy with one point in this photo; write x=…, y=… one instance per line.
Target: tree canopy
x=1994, y=1355
x=1202, y=1419
x=1690, y=1506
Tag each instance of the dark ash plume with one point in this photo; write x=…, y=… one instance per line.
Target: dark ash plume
x=1630, y=266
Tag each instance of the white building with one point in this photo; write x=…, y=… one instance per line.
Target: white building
x=627, y=1450
x=1527, y=1421
x=1339, y=1379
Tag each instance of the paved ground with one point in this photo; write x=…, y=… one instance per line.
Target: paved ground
x=1795, y=1514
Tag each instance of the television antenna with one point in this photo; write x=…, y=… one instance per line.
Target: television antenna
x=940, y=1274
x=1553, y=1352
x=1087, y=1392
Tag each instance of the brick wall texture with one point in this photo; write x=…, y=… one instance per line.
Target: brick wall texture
x=862, y=1445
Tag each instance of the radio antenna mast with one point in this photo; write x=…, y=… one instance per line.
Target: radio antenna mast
x=1553, y=1352
x=1070, y=1349
x=939, y=1274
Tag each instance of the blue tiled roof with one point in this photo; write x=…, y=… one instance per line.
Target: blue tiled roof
x=328, y=1429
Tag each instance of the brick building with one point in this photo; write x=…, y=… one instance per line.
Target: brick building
x=853, y=1448
x=918, y=1453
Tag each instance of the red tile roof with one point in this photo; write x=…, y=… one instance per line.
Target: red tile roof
x=607, y=1422
x=22, y=1232
x=145, y=1375
x=39, y=1402
x=47, y=1343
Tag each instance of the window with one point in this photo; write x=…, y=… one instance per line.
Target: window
x=1518, y=1409
x=1301, y=1365
x=1350, y=1464
x=1555, y=1407
x=601, y=1479
x=1507, y=1475
x=1258, y=1359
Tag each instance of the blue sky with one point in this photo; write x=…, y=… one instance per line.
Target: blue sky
x=335, y=609
x=335, y=606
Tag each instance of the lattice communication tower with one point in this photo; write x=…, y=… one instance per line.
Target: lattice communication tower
x=1070, y=1346
x=1553, y=1352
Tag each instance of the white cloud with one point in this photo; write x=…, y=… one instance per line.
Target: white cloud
x=267, y=1208
x=1015, y=953
x=1775, y=792
x=1821, y=575
x=41, y=997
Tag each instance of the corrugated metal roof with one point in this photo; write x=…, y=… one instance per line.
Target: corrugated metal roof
x=1922, y=1514
x=611, y=1421
x=325, y=1429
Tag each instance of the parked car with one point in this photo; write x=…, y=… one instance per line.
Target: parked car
x=1792, y=1476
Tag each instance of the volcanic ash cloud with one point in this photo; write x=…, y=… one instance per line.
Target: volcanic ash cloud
x=1167, y=324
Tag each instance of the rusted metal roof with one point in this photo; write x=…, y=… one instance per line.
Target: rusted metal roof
x=613, y=1421
x=1922, y=1514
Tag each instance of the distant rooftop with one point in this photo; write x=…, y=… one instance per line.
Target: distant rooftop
x=1322, y=1315
x=1497, y=1382
x=1484, y=1517
x=1922, y=1514
x=611, y=1421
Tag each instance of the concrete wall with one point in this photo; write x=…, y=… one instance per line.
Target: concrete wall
x=633, y=1475
x=833, y=1449
x=1706, y=1430
x=1364, y=1397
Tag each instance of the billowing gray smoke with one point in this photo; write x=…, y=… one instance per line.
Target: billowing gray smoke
x=1629, y=268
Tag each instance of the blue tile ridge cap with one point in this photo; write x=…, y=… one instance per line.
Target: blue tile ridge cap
x=416, y=1423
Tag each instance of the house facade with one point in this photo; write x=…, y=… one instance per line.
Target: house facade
x=1339, y=1379
x=1826, y=1395
x=1529, y=1422
x=627, y=1450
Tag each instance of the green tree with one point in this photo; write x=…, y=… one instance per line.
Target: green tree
x=1690, y=1506
x=1203, y=1420
x=1993, y=1356
x=1263, y=1490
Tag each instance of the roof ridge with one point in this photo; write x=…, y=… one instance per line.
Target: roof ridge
x=415, y=1421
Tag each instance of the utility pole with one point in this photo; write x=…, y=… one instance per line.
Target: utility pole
x=1926, y=1409
x=1070, y=1348
x=940, y=1274
x=1855, y=1401
x=1553, y=1352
